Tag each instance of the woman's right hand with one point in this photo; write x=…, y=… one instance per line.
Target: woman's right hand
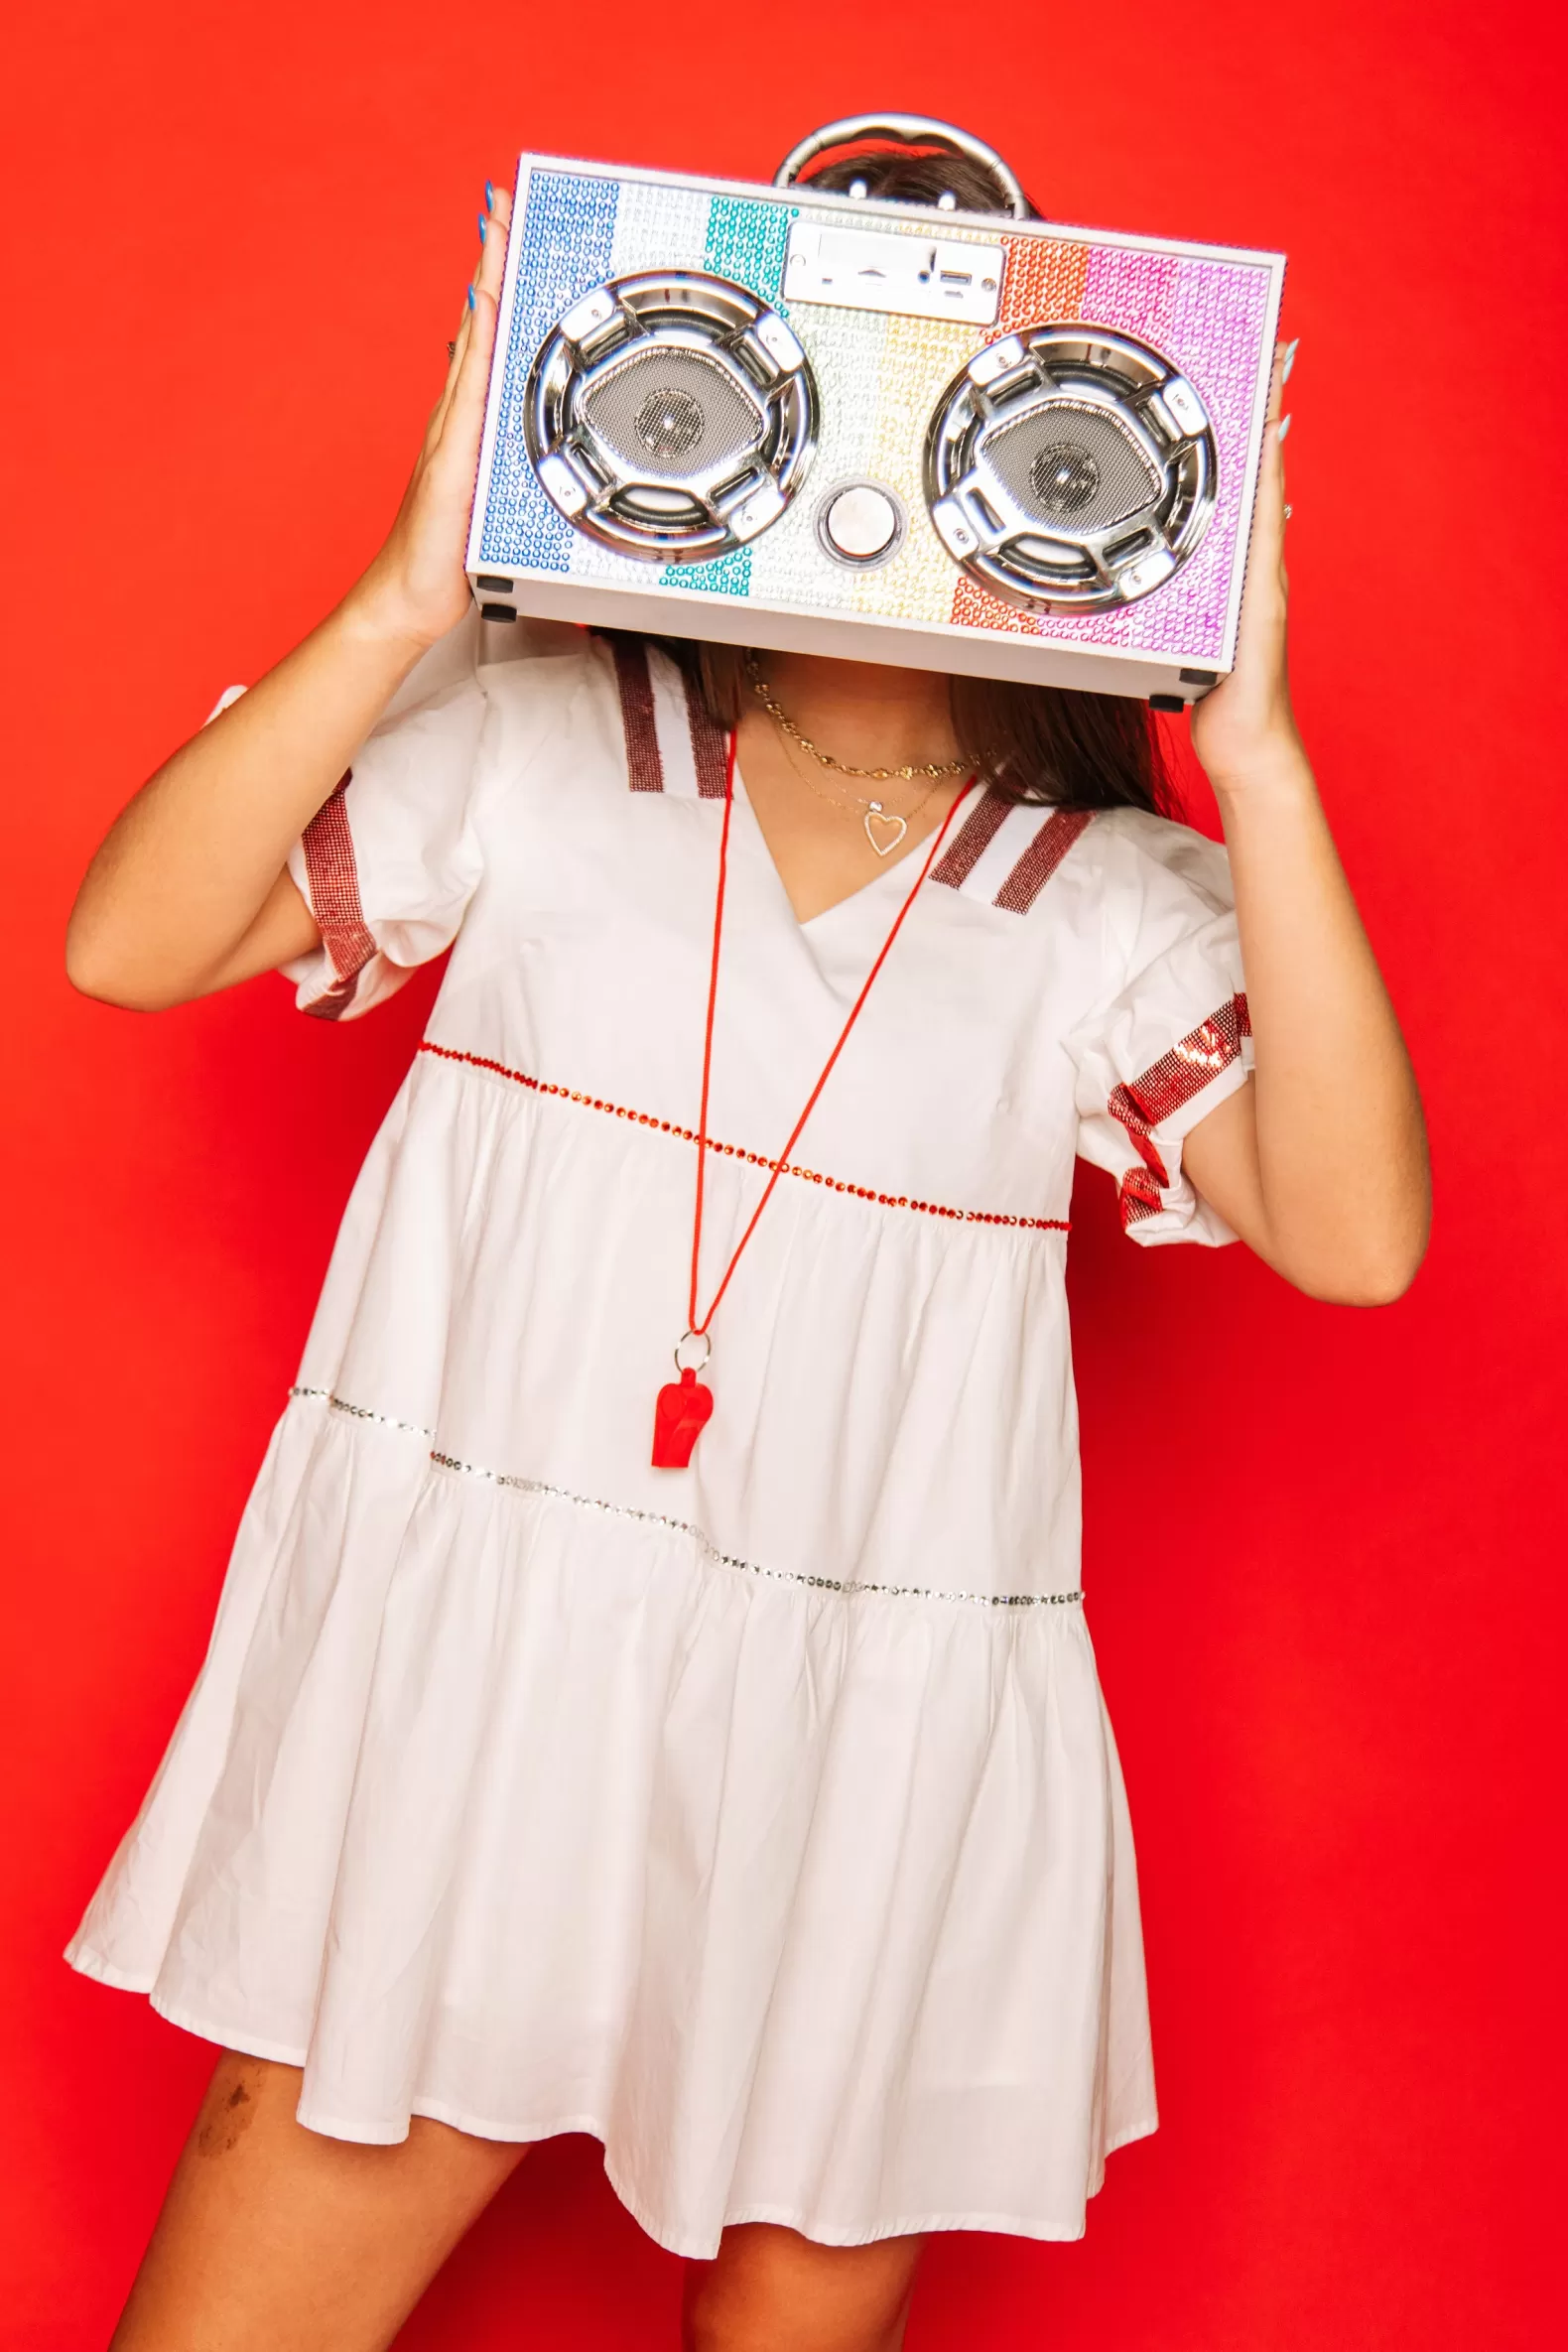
x=417, y=588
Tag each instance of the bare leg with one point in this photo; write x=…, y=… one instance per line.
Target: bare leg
x=272, y=2236
x=773, y=2291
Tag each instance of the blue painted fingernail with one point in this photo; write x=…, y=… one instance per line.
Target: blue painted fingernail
x=484, y=230
x=1291, y=349
x=490, y=197
x=1285, y=428
x=472, y=303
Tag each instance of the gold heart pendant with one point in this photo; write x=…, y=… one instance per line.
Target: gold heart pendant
x=896, y=829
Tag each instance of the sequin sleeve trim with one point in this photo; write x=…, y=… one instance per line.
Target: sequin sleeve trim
x=1146, y=1102
x=333, y=880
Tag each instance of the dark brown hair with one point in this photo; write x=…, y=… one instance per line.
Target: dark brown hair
x=1070, y=750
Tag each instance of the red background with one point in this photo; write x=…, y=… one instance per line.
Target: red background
x=1318, y=1540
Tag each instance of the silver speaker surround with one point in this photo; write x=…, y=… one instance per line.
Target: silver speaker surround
x=671, y=415
x=1070, y=470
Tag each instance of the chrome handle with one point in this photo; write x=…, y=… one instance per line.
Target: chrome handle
x=908, y=130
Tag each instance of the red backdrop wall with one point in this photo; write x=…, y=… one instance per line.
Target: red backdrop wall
x=1322, y=1545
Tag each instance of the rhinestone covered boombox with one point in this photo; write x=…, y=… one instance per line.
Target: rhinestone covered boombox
x=907, y=434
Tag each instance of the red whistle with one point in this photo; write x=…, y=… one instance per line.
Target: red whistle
x=679, y=1415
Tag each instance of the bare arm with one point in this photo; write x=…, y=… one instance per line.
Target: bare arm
x=189, y=891
x=1320, y=1164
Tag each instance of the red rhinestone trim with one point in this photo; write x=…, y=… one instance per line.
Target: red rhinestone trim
x=644, y=767
x=332, y=879
x=734, y=1151
x=979, y=829
x=709, y=744
x=644, y=760
x=1031, y=871
x=1041, y=860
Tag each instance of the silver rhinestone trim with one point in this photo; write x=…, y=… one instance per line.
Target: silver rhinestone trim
x=827, y=1584
x=359, y=1412
x=672, y=1526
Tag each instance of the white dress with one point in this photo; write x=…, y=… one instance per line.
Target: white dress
x=761, y=1818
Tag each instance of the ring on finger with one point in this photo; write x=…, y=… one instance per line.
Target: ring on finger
x=452, y=351
x=1287, y=514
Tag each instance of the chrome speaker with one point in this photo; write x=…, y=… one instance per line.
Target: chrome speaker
x=671, y=415
x=1070, y=470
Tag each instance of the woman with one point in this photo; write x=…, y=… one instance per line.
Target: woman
x=751, y=1805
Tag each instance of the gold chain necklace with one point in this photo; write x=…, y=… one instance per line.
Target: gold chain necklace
x=875, y=815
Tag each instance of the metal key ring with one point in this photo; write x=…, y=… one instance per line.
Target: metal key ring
x=708, y=1349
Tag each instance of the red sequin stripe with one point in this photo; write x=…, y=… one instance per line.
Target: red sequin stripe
x=1193, y=1063
x=644, y=767
x=710, y=743
x=1041, y=860
x=1138, y=1197
x=734, y=1151
x=979, y=829
x=334, y=882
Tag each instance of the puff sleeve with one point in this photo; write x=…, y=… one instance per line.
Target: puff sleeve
x=388, y=865
x=1172, y=1038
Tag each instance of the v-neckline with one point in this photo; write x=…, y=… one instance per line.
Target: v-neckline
x=806, y=924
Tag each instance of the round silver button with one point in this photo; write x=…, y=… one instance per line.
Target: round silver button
x=861, y=523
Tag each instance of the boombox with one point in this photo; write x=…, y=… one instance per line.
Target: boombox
x=900, y=433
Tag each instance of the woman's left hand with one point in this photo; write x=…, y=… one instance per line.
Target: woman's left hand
x=1321, y=1162
x=1242, y=727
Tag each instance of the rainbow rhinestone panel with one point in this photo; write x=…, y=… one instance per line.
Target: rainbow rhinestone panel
x=879, y=376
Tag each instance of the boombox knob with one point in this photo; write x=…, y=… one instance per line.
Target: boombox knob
x=861, y=523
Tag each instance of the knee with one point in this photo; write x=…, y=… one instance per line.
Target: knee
x=773, y=2291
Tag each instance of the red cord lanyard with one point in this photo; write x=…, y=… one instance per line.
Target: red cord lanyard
x=683, y=1407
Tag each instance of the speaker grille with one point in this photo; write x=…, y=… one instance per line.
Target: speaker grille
x=668, y=412
x=1069, y=465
